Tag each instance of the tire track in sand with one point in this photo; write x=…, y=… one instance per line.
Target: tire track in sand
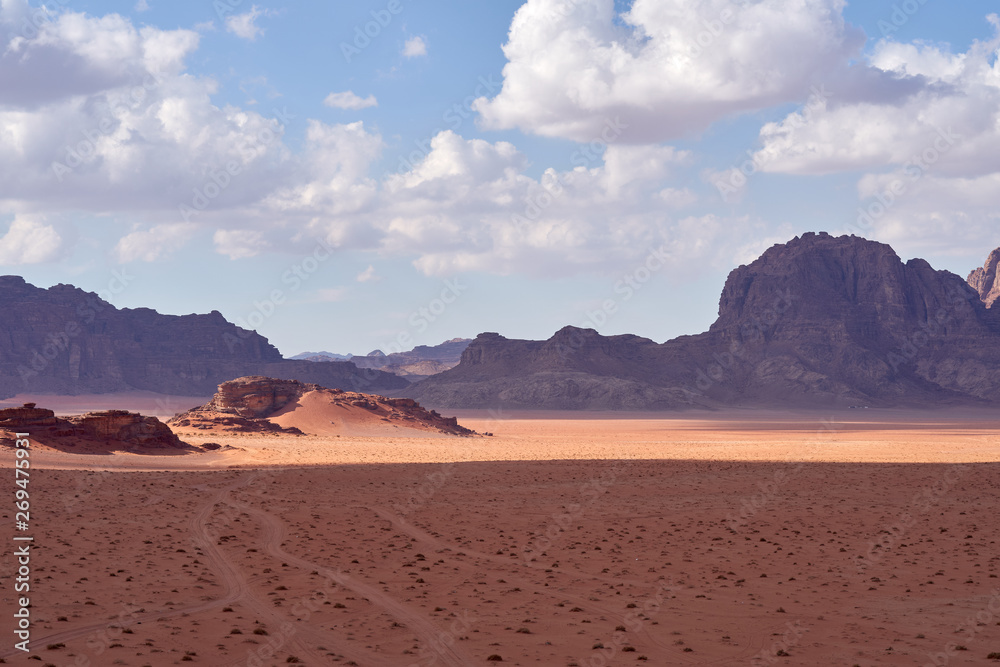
x=420, y=624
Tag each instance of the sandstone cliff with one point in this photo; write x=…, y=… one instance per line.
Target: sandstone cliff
x=63, y=340
x=986, y=281
x=819, y=321
x=108, y=430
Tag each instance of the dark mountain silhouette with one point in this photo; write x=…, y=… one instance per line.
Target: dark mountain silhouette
x=819, y=321
x=63, y=340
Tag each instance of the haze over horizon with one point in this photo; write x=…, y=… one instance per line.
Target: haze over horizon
x=458, y=169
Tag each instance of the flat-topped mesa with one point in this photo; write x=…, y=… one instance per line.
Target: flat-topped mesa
x=258, y=404
x=25, y=416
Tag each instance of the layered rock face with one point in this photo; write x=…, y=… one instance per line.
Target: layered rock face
x=986, y=281
x=819, y=321
x=112, y=428
x=63, y=340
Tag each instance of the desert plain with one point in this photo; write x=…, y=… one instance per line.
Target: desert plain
x=856, y=537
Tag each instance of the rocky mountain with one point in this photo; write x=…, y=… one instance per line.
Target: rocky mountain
x=416, y=364
x=818, y=321
x=986, y=281
x=63, y=340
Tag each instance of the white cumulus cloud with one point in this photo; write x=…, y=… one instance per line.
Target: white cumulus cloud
x=149, y=245
x=239, y=243
x=245, y=25
x=348, y=100
x=415, y=47
x=29, y=241
x=368, y=275
x=668, y=68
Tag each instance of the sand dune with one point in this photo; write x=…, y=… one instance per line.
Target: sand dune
x=316, y=413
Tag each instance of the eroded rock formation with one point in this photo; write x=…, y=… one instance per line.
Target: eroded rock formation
x=249, y=405
x=110, y=429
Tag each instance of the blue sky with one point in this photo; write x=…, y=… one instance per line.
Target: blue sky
x=467, y=167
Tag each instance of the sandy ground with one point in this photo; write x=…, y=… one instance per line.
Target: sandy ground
x=859, y=538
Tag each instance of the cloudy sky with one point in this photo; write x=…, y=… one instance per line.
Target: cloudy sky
x=351, y=175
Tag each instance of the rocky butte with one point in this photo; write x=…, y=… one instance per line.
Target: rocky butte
x=104, y=431
x=63, y=340
x=259, y=404
x=816, y=322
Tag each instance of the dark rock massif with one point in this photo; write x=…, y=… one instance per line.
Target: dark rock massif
x=819, y=321
x=63, y=340
x=986, y=281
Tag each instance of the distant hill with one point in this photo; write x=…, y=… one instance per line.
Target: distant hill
x=819, y=321
x=420, y=362
x=63, y=340
x=321, y=356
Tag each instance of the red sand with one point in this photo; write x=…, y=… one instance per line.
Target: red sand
x=734, y=538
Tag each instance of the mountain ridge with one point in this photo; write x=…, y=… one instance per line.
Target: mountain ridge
x=64, y=340
x=817, y=321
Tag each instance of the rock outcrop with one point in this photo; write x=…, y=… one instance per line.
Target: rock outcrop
x=819, y=321
x=62, y=340
x=255, y=404
x=106, y=430
x=986, y=281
